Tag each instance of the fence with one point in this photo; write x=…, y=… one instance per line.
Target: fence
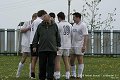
x=104, y=42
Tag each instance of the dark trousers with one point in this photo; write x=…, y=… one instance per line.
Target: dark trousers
x=46, y=65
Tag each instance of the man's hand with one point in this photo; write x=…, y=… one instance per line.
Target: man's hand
x=83, y=49
x=34, y=49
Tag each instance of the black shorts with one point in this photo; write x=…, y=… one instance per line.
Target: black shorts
x=33, y=53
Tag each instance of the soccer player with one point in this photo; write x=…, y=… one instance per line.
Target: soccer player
x=79, y=43
x=25, y=30
x=34, y=55
x=52, y=15
x=64, y=28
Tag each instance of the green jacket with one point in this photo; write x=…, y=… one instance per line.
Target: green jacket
x=48, y=37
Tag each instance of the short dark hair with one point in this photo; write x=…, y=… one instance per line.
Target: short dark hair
x=61, y=15
x=77, y=14
x=52, y=14
x=34, y=15
x=41, y=13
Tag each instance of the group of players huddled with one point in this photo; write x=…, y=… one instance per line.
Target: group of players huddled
x=48, y=41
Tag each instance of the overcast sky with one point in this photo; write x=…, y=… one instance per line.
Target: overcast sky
x=14, y=11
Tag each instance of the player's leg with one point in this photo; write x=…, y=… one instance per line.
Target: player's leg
x=72, y=63
x=73, y=66
x=57, y=65
x=80, y=66
x=33, y=65
x=80, y=63
x=28, y=54
x=21, y=64
x=25, y=51
x=24, y=57
x=66, y=63
x=34, y=57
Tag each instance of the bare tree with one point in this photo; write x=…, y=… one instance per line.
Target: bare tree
x=93, y=19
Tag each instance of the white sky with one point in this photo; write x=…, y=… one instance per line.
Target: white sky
x=14, y=11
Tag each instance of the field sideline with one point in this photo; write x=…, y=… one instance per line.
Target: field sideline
x=96, y=68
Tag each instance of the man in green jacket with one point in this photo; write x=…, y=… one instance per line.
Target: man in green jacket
x=47, y=35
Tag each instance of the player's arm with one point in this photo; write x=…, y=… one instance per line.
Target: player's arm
x=85, y=43
x=85, y=35
x=71, y=31
x=24, y=28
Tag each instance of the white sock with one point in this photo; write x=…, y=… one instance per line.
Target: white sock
x=80, y=70
x=30, y=70
x=67, y=75
x=57, y=75
x=20, y=66
x=73, y=70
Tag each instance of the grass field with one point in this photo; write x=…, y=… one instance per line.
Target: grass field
x=96, y=68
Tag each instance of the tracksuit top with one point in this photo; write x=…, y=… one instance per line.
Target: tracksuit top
x=48, y=37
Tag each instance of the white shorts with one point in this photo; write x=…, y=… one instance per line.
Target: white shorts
x=25, y=49
x=77, y=51
x=64, y=52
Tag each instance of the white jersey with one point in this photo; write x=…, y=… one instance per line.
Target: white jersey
x=34, y=27
x=65, y=28
x=26, y=36
x=78, y=32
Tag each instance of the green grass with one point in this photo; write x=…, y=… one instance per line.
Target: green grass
x=96, y=68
